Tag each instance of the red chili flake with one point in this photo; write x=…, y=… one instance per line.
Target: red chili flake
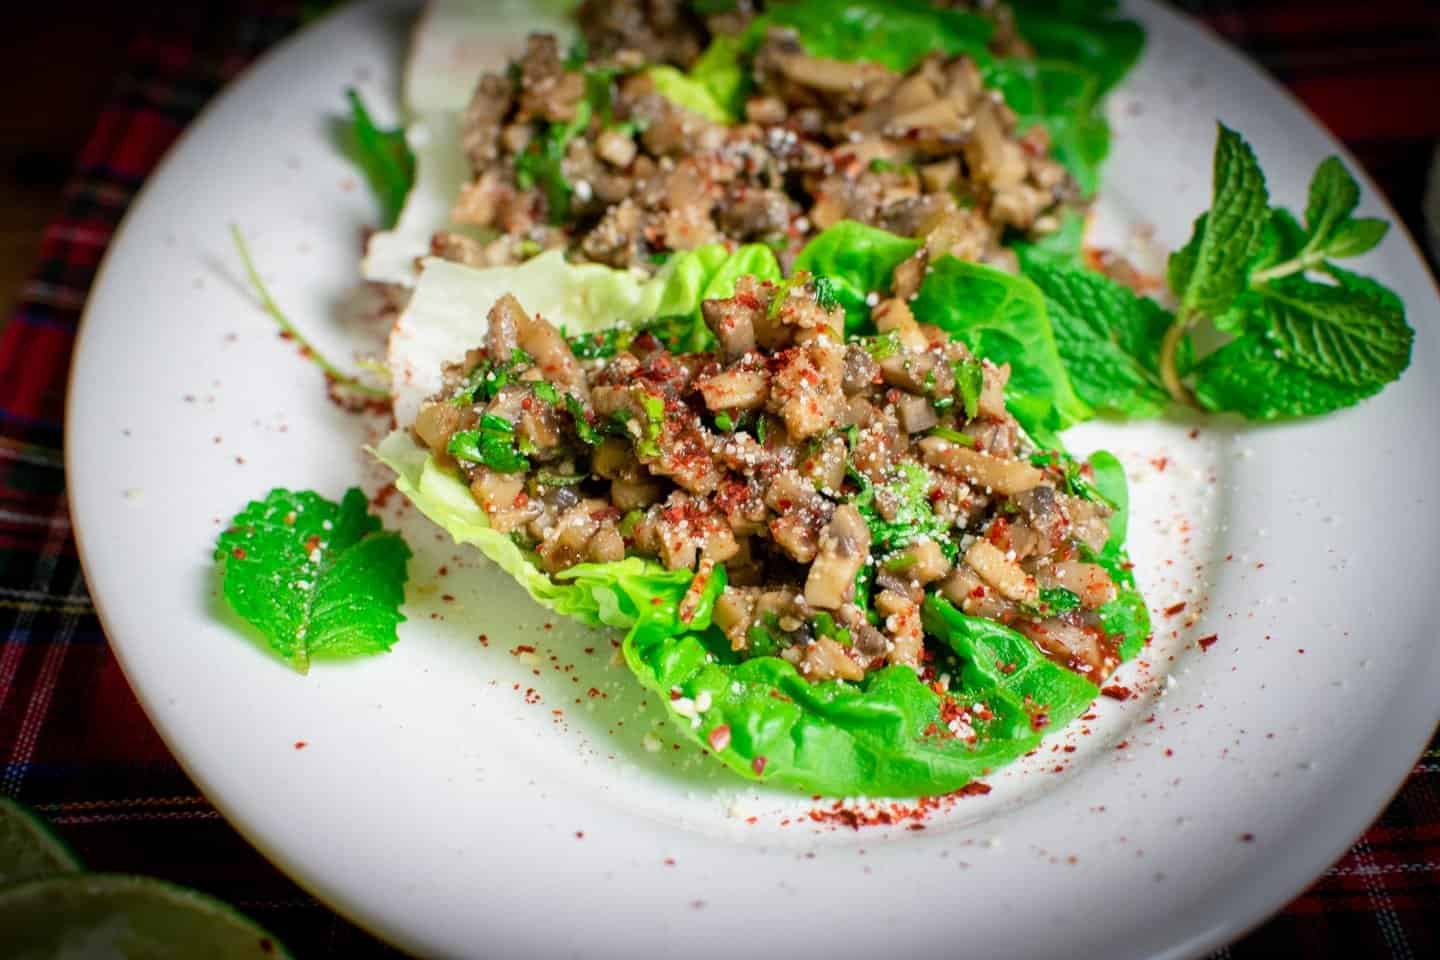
x=300, y=744
x=484, y=640
x=267, y=945
x=1169, y=752
x=238, y=553
x=1170, y=611
x=1160, y=463
x=447, y=597
x=669, y=861
x=719, y=738
x=1122, y=744
x=1247, y=838
x=917, y=826
x=383, y=495
x=579, y=834
x=548, y=626
x=1040, y=721
x=522, y=648
x=974, y=789
x=758, y=765
x=1117, y=692
x=1208, y=641
x=1194, y=432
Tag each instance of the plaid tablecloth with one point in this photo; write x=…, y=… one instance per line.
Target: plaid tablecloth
x=74, y=743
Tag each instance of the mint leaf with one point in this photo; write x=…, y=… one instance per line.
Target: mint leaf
x=316, y=578
x=1334, y=195
x=1109, y=339
x=1210, y=271
x=1355, y=237
x=1352, y=334
x=1248, y=377
x=384, y=156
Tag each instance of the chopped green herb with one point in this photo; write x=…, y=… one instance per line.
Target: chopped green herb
x=827, y=295
x=724, y=422
x=489, y=377
x=824, y=625
x=954, y=436
x=316, y=578
x=913, y=517
x=546, y=391
x=583, y=428
x=1058, y=600
x=492, y=445
x=576, y=56
x=897, y=562
x=547, y=479
x=883, y=346
x=629, y=521
x=969, y=382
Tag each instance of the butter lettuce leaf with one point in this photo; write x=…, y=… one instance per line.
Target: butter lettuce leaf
x=859, y=261
x=890, y=734
x=1002, y=318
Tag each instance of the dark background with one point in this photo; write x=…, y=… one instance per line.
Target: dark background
x=1370, y=71
x=1360, y=67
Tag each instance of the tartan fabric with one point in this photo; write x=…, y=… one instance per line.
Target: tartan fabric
x=74, y=743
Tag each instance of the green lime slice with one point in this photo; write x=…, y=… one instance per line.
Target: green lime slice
x=112, y=915
x=28, y=849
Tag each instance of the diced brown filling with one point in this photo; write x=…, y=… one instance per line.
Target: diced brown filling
x=837, y=482
x=930, y=154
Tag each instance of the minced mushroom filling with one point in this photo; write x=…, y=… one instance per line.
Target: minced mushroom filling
x=836, y=481
x=591, y=158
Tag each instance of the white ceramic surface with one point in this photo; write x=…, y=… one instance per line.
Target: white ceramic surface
x=440, y=802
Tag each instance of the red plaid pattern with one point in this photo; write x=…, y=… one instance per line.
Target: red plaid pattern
x=75, y=745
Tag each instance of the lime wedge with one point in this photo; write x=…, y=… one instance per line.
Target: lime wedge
x=136, y=918
x=28, y=849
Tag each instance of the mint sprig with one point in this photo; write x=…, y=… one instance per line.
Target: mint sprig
x=315, y=578
x=1297, y=335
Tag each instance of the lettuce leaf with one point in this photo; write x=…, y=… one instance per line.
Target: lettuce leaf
x=1002, y=318
x=613, y=594
x=858, y=260
x=1084, y=32
x=687, y=91
x=446, y=313
x=895, y=33
x=890, y=734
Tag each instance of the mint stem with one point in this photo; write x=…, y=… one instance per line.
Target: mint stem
x=1306, y=261
x=1169, y=347
x=268, y=304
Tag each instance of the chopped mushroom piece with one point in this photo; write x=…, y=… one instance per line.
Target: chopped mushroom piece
x=1002, y=572
x=1006, y=477
x=923, y=562
x=827, y=660
x=800, y=462
x=844, y=545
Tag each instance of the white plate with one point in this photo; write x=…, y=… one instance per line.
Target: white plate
x=435, y=806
